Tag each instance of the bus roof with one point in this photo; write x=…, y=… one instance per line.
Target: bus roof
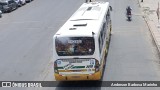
x=86, y=20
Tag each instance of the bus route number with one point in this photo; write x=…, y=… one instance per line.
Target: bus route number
x=89, y=66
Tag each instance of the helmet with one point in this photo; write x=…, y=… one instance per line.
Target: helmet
x=128, y=7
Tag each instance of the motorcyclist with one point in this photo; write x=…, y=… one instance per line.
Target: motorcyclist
x=128, y=9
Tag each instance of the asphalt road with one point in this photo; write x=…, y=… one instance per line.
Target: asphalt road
x=26, y=37
x=133, y=54
x=26, y=44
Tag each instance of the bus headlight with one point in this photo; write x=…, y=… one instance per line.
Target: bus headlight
x=55, y=67
x=96, y=69
x=56, y=71
x=97, y=66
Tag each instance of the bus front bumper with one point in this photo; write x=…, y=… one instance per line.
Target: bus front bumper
x=95, y=76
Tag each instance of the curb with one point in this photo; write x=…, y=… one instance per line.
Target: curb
x=153, y=35
x=150, y=28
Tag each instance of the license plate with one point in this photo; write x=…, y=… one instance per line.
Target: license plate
x=75, y=76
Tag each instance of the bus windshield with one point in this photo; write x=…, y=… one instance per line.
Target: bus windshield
x=74, y=46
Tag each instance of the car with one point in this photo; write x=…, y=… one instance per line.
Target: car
x=8, y=5
x=29, y=0
x=0, y=11
x=23, y=2
x=18, y=2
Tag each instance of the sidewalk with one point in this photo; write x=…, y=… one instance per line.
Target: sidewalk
x=149, y=8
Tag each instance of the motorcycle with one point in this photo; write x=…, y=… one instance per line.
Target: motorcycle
x=129, y=16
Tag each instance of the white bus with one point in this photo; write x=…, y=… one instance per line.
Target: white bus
x=80, y=46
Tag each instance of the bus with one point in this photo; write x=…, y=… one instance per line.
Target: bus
x=81, y=45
